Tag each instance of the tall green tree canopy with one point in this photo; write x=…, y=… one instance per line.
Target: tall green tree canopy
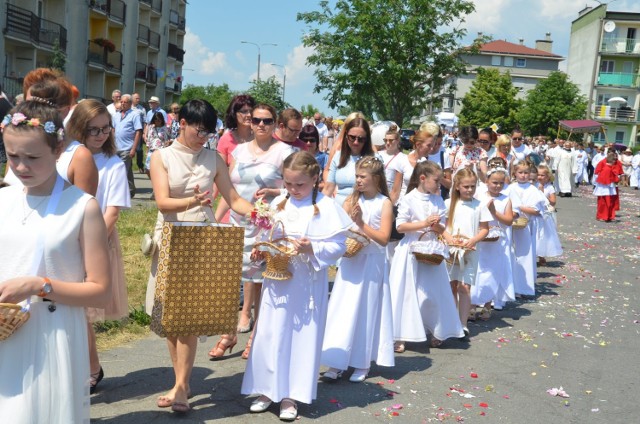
x=385, y=57
x=268, y=91
x=553, y=99
x=218, y=95
x=491, y=99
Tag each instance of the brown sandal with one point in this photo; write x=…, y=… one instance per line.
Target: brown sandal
x=220, y=348
x=247, y=350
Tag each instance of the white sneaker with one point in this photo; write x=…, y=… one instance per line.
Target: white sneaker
x=359, y=375
x=332, y=373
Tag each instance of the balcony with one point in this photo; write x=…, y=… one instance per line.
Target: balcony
x=12, y=86
x=98, y=55
x=143, y=33
x=114, y=9
x=154, y=39
x=156, y=6
x=618, y=79
x=620, y=46
x=175, y=52
x=146, y=73
x=177, y=20
x=619, y=114
x=25, y=25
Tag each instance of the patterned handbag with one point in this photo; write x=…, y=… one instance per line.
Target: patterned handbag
x=198, y=278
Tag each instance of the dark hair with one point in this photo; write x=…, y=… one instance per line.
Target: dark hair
x=492, y=135
x=79, y=123
x=426, y=168
x=468, y=133
x=44, y=112
x=345, y=150
x=237, y=103
x=517, y=130
x=309, y=131
x=159, y=116
x=198, y=111
x=288, y=114
x=264, y=106
x=306, y=163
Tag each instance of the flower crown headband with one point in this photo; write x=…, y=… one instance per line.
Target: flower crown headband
x=18, y=119
x=498, y=169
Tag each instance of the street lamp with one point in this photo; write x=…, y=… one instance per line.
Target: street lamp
x=259, y=46
x=284, y=80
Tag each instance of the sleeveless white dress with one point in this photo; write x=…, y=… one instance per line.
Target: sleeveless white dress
x=44, y=366
x=359, y=324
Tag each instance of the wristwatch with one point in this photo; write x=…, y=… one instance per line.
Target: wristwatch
x=46, y=289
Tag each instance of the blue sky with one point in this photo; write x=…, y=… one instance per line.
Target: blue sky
x=215, y=30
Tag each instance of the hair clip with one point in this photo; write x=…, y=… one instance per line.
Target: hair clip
x=18, y=119
x=497, y=169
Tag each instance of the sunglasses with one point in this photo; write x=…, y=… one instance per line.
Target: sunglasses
x=309, y=140
x=389, y=140
x=266, y=121
x=244, y=111
x=94, y=131
x=483, y=141
x=517, y=138
x=359, y=138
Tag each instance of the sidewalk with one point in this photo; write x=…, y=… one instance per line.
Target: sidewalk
x=581, y=333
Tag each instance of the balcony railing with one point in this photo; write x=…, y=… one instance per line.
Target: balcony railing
x=608, y=113
x=175, y=52
x=620, y=45
x=154, y=39
x=147, y=2
x=156, y=6
x=101, y=56
x=22, y=23
x=143, y=33
x=152, y=75
x=146, y=73
x=177, y=20
x=115, y=9
x=12, y=86
x=618, y=79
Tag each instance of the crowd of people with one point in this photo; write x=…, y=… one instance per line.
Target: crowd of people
x=445, y=233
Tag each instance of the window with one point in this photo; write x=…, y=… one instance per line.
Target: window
x=495, y=60
x=603, y=99
x=508, y=61
x=607, y=66
x=521, y=63
x=620, y=137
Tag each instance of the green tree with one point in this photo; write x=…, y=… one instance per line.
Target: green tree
x=268, y=91
x=59, y=58
x=308, y=110
x=218, y=95
x=553, y=99
x=385, y=57
x=491, y=99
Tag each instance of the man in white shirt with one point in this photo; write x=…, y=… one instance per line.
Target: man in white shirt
x=323, y=131
x=115, y=97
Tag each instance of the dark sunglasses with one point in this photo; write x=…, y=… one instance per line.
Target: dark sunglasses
x=266, y=121
x=517, y=138
x=359, y=138
x=483, y=141
x=309, y=140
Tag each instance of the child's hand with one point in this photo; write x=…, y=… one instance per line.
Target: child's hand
x=431, y=220
x=491, y=206
x=469, y=244
x=303, y=245
x=356, y=214
x=256, y=255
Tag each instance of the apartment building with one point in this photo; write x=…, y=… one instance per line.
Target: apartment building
x=604, y=60
x=133, y=46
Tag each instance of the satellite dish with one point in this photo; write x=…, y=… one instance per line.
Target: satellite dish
x=609, y=26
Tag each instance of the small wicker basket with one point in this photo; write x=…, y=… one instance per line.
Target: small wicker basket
x=520, y=223
x=458, y=243
x=355, y=242
x=12, y=317
x=427, y=258
x=277, y=253
x=494, y=234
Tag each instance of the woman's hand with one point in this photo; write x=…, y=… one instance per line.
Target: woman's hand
x=303, y=245
x=18, y=289
x=202, y=199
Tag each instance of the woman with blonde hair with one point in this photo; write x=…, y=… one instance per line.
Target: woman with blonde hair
x=503, y=150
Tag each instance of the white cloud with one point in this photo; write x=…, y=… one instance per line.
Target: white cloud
x=297, y=69
x=563, y=10
x=201, y=58
x=487, y=17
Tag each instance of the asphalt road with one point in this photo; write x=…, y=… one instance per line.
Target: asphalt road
x=581, y=333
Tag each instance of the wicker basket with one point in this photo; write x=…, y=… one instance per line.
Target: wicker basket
x=355, y=242
x=12, y=317
x=520, y=223
x=494, y=234
x=427, y=258
x=277, y=253
x=458, y=242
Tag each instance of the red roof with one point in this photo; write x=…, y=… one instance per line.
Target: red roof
x=504, y=47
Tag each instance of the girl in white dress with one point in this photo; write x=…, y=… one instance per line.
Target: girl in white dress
x=90, y=124
x=531, y=203
x=466, y=217
x=284, y=361
x=420, y=293
x=494, y=280
x=359, y=328
x=547, y=240
x=54, y=256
